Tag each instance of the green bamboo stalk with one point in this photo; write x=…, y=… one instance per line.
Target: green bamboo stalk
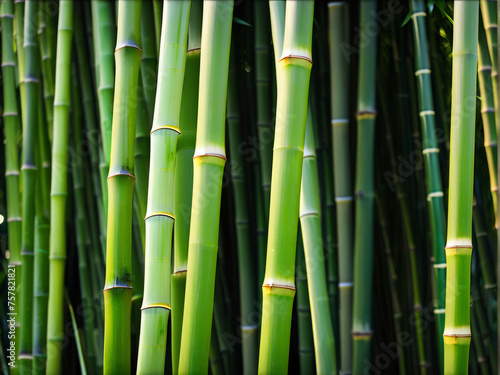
x=59, y=189
x=365, y=195
x=339, y=68
x=310, y=220
x=80, y=221
x=264, y=115
x=104, y=32
x=159, y=216
x=208, y=167
x=246, y=262
x=118, y=282
x=158, y=11
x=485, y=71
x=306, y=341
x=29, y=175
x=47, y=67
x=42, y=246
x=457, y=335
x=430, y=150
x=10, y=122
x=184, y=176
x=278, y=289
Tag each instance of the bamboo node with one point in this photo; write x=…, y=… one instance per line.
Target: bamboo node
x=362, y=334
x=220, y=156
x=368, y=114
x=166, y=127
x=338, y=121
x=440, y=265
x=8, y=64
x=167, y=214
x=290, y=56
x=485, y=68
x=7, y=15
x=6, y=114
x=271, y=285
x=180, y=271
x=422, y=71
x=419, y=14
x=488, y=110
x=159, y=305
x=128, y=43
x=14, y=218
x=28, y=167
x=432, y=150
x=344, y=199
x=346, y=284
x=193, y=49
x=11, y=173
x=427, y=113
x=122, y=172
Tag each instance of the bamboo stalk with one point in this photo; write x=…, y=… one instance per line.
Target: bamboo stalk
x=29, y=176
x=430, y=150
x=184, y=176
x=338, y=34
x=246, y=262
x=208, y=166
x=365, y=195
x=278, y=289
x=118, y=282
x=159, y=216
x=59, y=189
x=310, y=220
x=485, y=72
x=457, y=335
x=11, y=129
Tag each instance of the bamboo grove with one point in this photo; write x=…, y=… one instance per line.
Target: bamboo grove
x=269, y=187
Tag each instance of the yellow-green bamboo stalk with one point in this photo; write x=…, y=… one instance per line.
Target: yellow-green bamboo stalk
x=294, y=69
x=59, y=189
x=457, y=334
x=208, y=165
x=159, y=215
x=118, y=281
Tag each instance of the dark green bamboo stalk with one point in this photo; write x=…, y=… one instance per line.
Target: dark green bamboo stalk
x=80, y=222
x=184, y=176
x=10, y=123
x=339, y=73
x=430, y=150
x=365, y=195
x=47, y=67
x=118, y=282
x=208, y=166
x=457, y=335
x=246, y=258
x=159, y=216
x=21, y=58
x=42, y=246
x=59, y=189
x=264, y=116
x=278, y=289
x=29, y=175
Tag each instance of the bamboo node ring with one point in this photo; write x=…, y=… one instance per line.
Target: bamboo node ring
x=157, y=305
x=167, y=214
x=271, y=285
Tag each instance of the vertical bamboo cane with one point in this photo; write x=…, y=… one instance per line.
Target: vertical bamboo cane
x=457, y=335
x=29, y=175
x=294, y=69
x=59, y=189
x=184, y=176
x=10, y=120
x=159, y=216
x=338, y=34
x=208, y=165
x=365, y=195
x=118, y=282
